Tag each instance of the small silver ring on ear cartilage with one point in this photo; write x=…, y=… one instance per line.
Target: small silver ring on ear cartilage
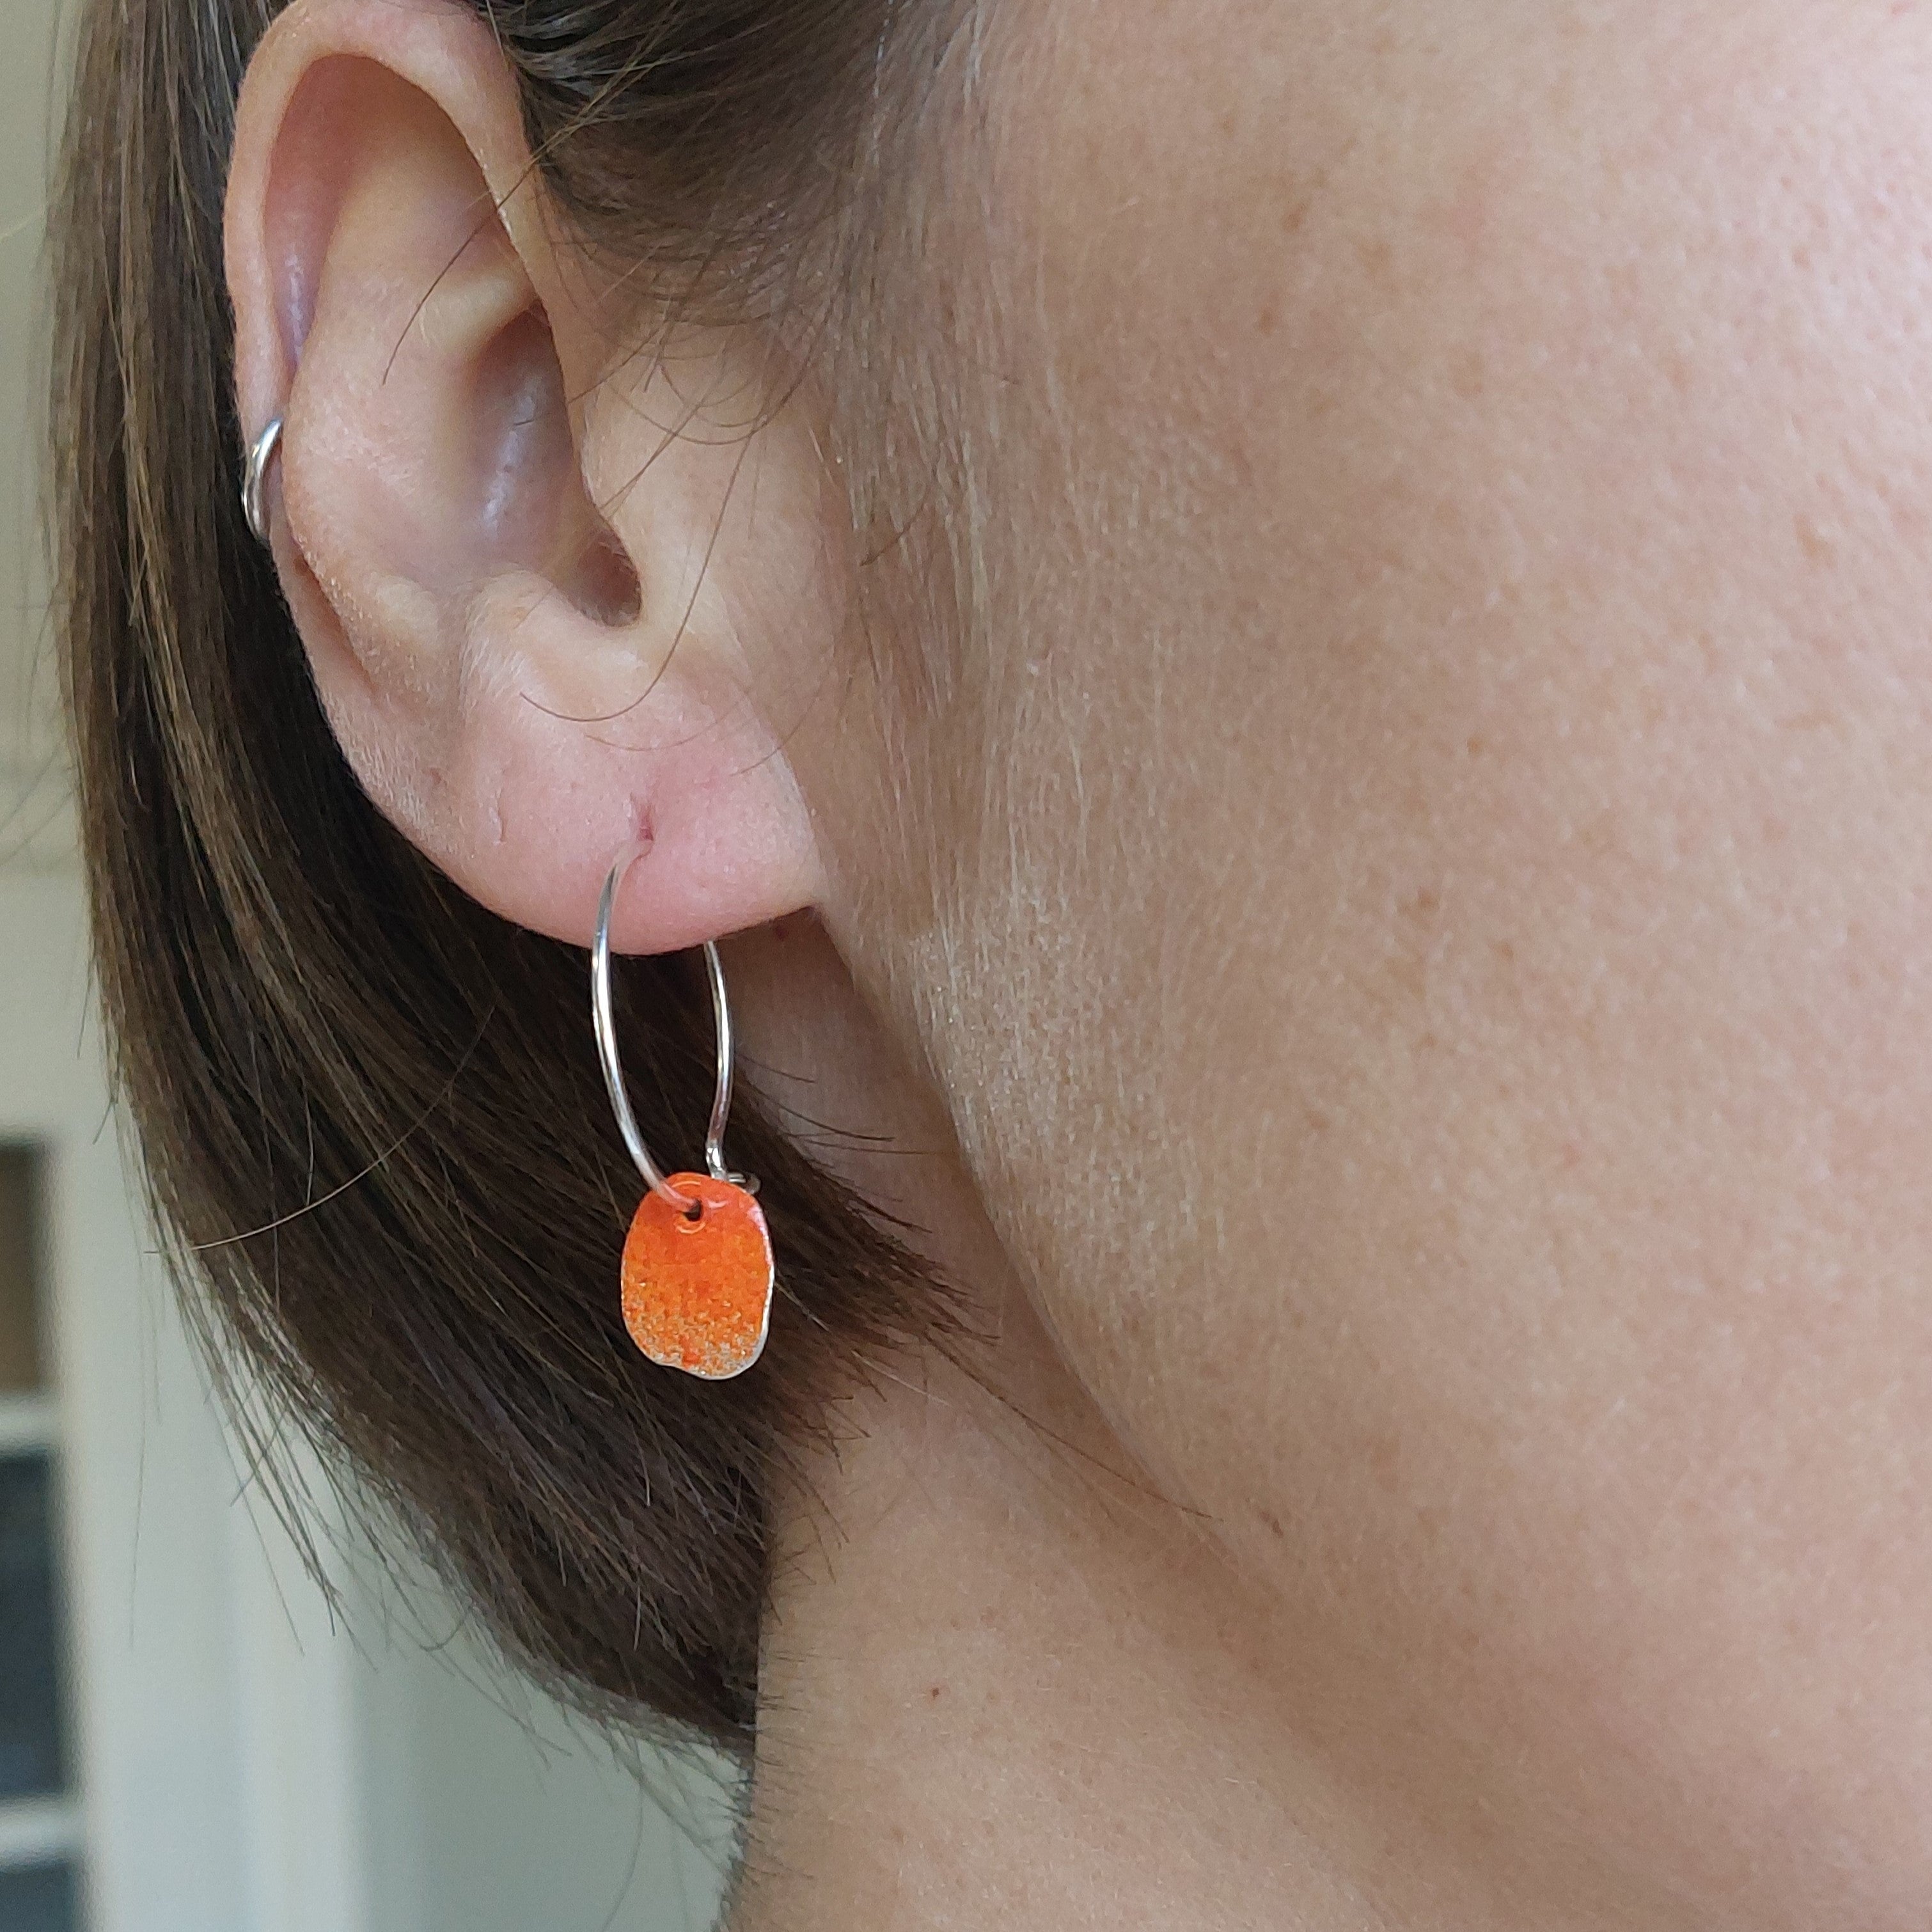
x=254, y=479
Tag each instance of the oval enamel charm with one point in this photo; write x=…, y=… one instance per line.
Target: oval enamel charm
x=698, y=1291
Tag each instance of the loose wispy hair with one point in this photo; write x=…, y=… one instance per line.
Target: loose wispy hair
x=370, y=1111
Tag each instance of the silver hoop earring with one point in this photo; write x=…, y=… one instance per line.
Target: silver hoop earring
x=254, y=479
x=698, y=1271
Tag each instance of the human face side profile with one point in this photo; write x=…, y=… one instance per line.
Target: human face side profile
x=1406, y=888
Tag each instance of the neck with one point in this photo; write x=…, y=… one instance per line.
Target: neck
x=1004, y=1683
x=999, y=1688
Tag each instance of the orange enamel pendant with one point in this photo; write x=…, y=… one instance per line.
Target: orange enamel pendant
x=698, y=1288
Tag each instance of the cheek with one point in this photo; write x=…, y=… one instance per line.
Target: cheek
x=1496, y=460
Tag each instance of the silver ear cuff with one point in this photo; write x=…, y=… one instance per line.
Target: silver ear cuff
x=254, y=479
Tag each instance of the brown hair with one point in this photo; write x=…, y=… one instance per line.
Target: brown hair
x=370, y=1111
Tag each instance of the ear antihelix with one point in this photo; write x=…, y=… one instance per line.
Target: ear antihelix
x=582, y=556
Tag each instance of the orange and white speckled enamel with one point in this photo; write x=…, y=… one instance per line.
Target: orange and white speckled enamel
x=697, y=1294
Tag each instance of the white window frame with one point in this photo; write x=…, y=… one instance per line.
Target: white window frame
x=211, y=1704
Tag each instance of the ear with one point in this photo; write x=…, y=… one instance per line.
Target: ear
x=557, y=599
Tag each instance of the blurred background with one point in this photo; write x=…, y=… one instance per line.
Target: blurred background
x=192, y=1738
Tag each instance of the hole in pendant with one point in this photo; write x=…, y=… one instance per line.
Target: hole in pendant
x=693, y=1213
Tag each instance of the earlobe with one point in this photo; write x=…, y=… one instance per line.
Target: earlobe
x=523, y=686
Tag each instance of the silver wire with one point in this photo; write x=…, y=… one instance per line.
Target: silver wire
x=254, y=479
x=604, y=1025
x=721, y=1100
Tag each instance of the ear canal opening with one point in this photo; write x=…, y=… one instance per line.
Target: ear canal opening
x=604, y=583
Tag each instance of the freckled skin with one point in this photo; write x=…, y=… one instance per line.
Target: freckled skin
x=1437, y=996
